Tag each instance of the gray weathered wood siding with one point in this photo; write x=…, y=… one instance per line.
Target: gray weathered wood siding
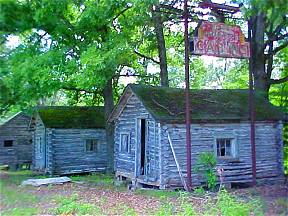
x=203, y=137
x=127, y=123
x=39, y=145
x=16, y=129
x=69, y=153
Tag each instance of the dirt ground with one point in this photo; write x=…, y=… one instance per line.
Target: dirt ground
x=114, y=202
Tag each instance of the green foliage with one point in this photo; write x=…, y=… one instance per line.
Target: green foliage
x=125, y=210
x=19, y=201
x=71, y=205
x=206, y=164
x=95, y=178
x=165, y=209
x=16, y=177
x=200, y=191
x=157, y=193
x=228, y=205
x=285, y=148
x=185, y=205
x=282, y=206
x=20, y=212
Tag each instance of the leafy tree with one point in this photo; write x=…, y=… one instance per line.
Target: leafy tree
x=71, y=45
x=269, y=26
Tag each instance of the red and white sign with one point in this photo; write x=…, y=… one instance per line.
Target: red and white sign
x=221, y=40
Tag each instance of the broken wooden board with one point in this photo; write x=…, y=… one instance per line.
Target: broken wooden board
x=46, y=181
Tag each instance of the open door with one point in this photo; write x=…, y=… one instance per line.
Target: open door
x=142, y=146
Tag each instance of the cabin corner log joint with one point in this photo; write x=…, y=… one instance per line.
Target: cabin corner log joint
x=69, y=140
x=220, y=124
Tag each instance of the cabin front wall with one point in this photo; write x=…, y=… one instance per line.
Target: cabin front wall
x=69, y=153
x=16, y=130
x=269, y=155
x=128, y=161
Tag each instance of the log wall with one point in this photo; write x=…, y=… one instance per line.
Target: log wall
x=16, y=129
x=203, y=139
x=69, y=155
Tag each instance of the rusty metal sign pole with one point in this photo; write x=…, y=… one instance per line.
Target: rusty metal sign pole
x=252, y=109
x=187, y=97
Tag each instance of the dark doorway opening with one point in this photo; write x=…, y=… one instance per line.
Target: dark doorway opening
x=143, y=150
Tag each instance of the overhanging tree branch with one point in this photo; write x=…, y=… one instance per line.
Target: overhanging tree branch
x=277, y=49
x=147, y=57
x=73, y=88
x=279, y=81
x=276, y=38
x=122, y=12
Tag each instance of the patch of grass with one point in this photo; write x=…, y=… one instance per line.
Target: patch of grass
x=166, y=209
x=186, y=208
x=122, y=209
x=16, y=177
x=95, y=178
x=16, y=199
x=72, y=206
x=157, y=193
x=282, y=206
x=12, y=195
x=20, y=212
x=199, y=191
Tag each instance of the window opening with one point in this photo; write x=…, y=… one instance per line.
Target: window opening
x=92, y=145
x=224, y=148
x=8, y=143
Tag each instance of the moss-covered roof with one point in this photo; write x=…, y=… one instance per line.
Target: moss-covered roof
x=168, y=104
x=72, y=116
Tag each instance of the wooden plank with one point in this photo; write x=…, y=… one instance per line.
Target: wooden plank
x=176, y=161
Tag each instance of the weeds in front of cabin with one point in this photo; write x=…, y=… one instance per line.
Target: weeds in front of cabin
x=72, y=206
x=228, y=205
x=166, y=209
x=206, y=166
x=199, y=191
x=185, y=205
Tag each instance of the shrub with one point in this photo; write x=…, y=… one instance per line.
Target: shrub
x=206, y=165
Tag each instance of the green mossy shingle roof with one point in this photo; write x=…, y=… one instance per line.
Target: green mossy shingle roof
x=72, y=117
x=168, y=104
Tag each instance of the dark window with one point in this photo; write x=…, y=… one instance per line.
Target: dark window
x=92, y=145
x=224, y=148
x=8, y=143
x=125, y=143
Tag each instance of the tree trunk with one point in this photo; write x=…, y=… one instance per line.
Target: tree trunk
x=261, y=81
x=158, y=22
x=108, y=107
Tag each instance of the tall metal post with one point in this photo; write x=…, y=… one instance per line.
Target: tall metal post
x=251, y=108
x=187, y=97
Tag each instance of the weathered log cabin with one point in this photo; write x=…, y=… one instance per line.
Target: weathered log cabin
x=16, y=141
x=69, y=139
x=150, y=135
